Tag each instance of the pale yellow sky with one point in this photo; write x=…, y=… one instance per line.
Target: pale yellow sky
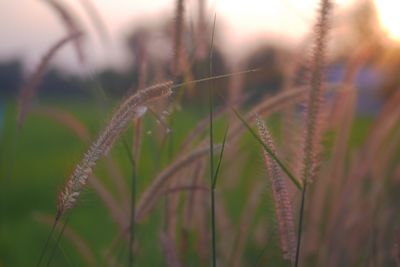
x=29, y=27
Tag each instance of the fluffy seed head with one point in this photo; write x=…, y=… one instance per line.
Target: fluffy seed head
x=283, y=207
x=312, y=134
x=119, y=121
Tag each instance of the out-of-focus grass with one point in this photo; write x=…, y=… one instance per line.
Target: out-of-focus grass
x=35, y=161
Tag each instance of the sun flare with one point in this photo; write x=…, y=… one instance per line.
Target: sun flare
x=389, y=18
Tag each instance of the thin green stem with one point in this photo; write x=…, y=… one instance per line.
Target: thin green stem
x=216, y=77
x=133, y=205
x=210, y=104
x=300, y=226
x=53, y=252
x=214, y=183
x=132, y=217
x=214, y=239
x=47, y=242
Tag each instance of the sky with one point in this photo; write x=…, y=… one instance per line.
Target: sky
x=29, y=27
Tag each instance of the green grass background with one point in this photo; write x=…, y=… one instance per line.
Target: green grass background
x=36, y=160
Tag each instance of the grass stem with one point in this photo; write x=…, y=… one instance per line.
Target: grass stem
x=133, y=204
x=300, y=226
x=132, y=215
x=210, y=104
x=53, y=252
x=46, y=244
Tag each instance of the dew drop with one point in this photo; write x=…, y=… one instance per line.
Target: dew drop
x=140, y=111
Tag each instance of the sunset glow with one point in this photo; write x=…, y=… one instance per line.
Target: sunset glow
x=388, y=15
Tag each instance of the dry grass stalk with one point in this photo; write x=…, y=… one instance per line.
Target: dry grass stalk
x=65, y=118
x=119, y=121
x=178, y=37
x=335, y=173
x=344, y=108
x=142, y=61
x=28, y=91
x=71, y=24
x=330, y=182
x=153, y=193
x=312, y=137
x=351, y=197
x=283, y=207
x=387, y=119
x=80, y=245
x=202, y=48
x=384, y=124
x=352, y=203
x=137, y=140
x=97, y=20
x=142, y=57
x=382, y=165
x=314, y=104
x=170, y=252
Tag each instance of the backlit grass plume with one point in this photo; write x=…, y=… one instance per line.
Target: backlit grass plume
x=283, y=207
x=178, y=36
x=71, y=24
x=29, y=89
x=312, y=134
x=118, y=123
x=311, y=142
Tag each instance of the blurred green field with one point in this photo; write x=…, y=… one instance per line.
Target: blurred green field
x=36, y=160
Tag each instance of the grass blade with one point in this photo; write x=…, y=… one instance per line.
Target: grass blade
x=214, y=183
x=132, y=217
x=133, y=204
x=295, y=181
x=46, y=244
x=210, y=104
x=53, y=251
